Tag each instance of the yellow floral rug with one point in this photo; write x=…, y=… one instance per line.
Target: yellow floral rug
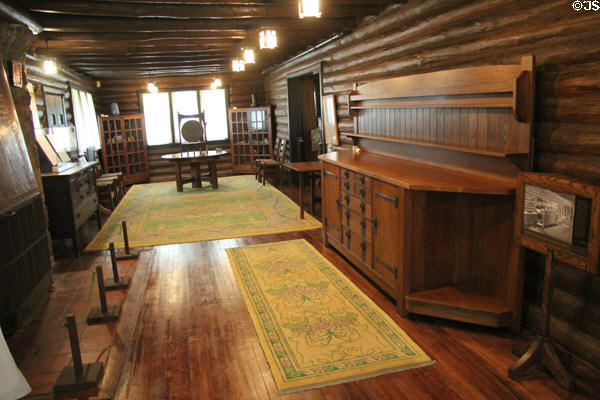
x=157, y=214
x=315, y=326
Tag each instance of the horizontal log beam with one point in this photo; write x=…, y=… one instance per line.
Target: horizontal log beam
x=132, y=50
x=190, y=11
x=175, y=43
x=21, y=16
x=61, y=23
x=144, y=36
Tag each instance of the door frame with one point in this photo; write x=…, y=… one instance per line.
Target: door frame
x=314, y=69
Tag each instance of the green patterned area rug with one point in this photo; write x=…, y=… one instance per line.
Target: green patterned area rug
x=315, y=326
x=157, y=214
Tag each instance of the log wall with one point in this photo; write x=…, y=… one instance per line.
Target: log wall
x=432, y=35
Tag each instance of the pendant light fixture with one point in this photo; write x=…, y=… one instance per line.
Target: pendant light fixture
x=309, y=8
x=49, y=64
x=151, y=85
x=216, y=83
x=248, y=55
x=267, y=38
x=238, y=65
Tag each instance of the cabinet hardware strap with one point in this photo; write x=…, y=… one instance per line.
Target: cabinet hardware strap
x=391, y=199
x=388, y=266
x=327, y=173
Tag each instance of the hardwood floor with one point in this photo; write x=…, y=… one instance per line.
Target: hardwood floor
x=194, y=339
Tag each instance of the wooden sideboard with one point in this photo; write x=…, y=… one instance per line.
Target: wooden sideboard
x=426, y=208
x=71, y=200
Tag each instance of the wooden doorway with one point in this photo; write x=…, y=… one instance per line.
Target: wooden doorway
x=304, y=113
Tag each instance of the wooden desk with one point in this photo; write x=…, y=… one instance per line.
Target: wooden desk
x=305, y=167
x=71, y=199
x=196, y=159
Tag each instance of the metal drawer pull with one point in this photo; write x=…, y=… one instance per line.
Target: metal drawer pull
x=339, y=206
x=362, y=179
x=347, y=213
x=363, y=245
x=347, y=185
x=362, y=192
x=347, y=198
x=362, y=207
x=391, y=199
x=374, y=223
x=348, y=234
x=346, y=174
x=327, y=173
x=387, y=266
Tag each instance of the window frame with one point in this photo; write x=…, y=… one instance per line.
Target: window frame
x=73, y=86
x=170, y=90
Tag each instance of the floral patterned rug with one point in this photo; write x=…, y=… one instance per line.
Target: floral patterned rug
x=315, y=326
x=157, y=214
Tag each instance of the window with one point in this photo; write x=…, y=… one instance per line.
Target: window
x=162, y=122
x=215, y=113
x=157, y=118
x=184, y=102
x=85, y=120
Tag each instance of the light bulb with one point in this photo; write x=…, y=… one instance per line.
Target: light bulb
x=309, y=8
x=267, y=39
x=50, y=66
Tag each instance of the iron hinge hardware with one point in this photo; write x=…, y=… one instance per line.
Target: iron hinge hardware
x=392, y=199
x=374, y=223
x=387, y=266
x=327, y=173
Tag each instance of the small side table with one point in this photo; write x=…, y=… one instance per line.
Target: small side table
x=302, y=168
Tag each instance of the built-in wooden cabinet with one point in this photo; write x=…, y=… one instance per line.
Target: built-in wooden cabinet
x=426, y=205
x=251, y=137
x=124, y=147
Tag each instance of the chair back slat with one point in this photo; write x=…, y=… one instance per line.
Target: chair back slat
x=276, y=148
x=283, y=148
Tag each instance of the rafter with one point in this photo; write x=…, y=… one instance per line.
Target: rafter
x=60, y=23
x=190, y=11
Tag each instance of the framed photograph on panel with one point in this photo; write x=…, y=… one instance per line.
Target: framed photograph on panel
x=560, y=213
x=330, y=127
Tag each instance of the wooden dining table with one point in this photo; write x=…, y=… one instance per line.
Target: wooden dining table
x=195, y=159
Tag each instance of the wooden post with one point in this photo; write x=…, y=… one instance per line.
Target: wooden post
x=116, y=282
x=104, y=313
x=77, y=377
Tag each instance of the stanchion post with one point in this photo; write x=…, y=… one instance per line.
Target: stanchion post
x=79, y=376
x=116, y=282
x=104, y=313
x=128, y=253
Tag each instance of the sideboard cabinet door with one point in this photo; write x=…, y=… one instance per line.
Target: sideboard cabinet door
x=388, y=203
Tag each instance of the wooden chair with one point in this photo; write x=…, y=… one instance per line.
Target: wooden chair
x=259, y=159
x=267, y=165
x=110, y=189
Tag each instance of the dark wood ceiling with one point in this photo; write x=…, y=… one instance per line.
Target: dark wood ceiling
x=141, y=38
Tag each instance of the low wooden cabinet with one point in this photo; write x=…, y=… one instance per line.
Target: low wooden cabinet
x=440, y=252
x=71, y=200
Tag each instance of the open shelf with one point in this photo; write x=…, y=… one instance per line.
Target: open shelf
x=464, y=149
x=457, y=304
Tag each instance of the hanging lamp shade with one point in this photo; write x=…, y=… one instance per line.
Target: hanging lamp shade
x=267, y=38
x=238, y=65
x=49, y=66
x=309, y=8
x=249, y=57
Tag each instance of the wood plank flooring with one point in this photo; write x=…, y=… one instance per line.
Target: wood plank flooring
x=194, y=339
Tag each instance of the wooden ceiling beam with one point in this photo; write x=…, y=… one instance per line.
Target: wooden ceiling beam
x=144, y=36
x=190, y=11
x=61, y=23
x=136, y=51
x=176, y=43
x=21, y=16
